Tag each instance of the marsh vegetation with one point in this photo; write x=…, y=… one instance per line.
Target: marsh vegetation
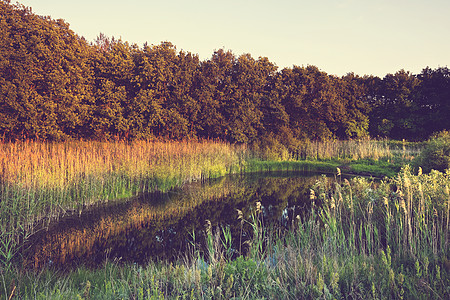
x=332, y=249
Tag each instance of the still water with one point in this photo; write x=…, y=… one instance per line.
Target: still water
x=162, y=226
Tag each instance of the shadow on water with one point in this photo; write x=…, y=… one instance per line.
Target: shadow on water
x=160, y=226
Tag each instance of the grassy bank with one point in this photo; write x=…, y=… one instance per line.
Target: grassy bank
x=366, y=240
x=378, y=158
x=341, y=150
x=365, y=167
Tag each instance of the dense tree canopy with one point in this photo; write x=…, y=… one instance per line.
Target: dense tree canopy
x=55, y=85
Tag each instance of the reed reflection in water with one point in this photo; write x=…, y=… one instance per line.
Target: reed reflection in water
x=162, y=225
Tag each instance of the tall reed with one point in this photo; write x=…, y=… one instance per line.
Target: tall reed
x=355, y=149
x=40, y=181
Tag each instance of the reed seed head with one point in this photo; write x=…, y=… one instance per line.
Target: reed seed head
x=403, y=205
x=338, y=172
x=240, y=215
x=420, y=171
x=407, y=182
x=312, y=194
x=258, y=207
x=370, y=208
x=208, y=227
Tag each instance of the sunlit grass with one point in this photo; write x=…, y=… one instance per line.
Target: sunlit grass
x=371, y=157
x=60, y=165
x=40, y=181
x=356, y=150
x=365, y=239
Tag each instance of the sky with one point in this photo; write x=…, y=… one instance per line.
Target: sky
x=367, y=37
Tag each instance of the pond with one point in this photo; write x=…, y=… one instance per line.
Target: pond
x=162, y=226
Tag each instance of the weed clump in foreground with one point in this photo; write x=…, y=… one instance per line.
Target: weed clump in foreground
x=363, y=239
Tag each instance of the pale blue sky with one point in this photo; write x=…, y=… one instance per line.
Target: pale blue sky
x=338, y=36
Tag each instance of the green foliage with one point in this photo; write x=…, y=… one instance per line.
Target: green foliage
x=270, y=148
x=247, y=275
x=407, y=106
x=45, y=84
x=56, y=86
x=436, y=153
x=8, y=249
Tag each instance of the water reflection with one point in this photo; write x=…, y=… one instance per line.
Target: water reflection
x=160, y=225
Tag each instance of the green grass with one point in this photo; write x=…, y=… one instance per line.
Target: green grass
x=255, y=165
x=377, y=158
x=379, y=168
x=364, y=239
x=366, y=167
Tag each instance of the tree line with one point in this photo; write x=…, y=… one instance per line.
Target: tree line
x=54, y=85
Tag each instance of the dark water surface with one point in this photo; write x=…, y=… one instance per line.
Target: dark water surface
x=162, y=225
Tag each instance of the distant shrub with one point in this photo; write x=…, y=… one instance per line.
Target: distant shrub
x=270, y=148
x=436, y=154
